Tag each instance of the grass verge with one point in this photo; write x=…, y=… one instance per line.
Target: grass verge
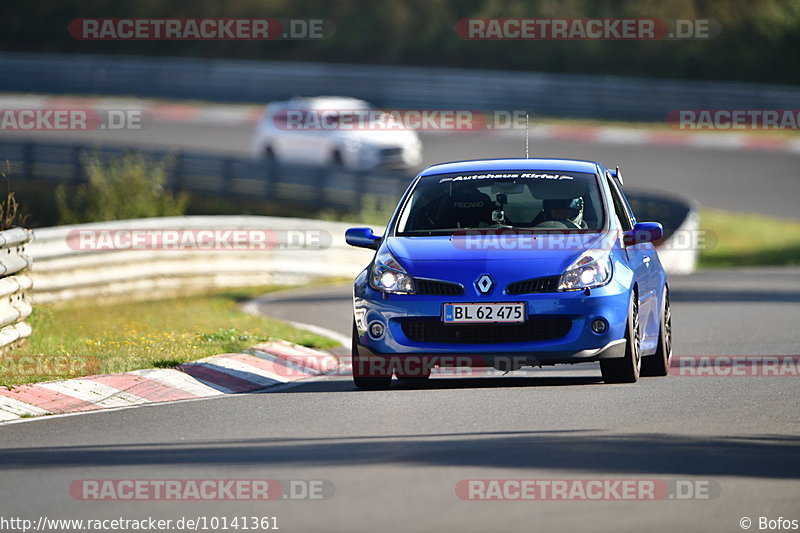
x=746, y=239
x=87, y=338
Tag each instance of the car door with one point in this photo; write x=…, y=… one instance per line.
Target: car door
x=291, y=137
x=641, y=259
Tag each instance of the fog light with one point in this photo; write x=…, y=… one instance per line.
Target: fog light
x=376, y=330
x=599, y=325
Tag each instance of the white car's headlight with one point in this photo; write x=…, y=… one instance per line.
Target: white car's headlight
x=387, y=275
x=591, y=269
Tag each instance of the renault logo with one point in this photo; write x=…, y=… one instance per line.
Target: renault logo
x=484, y=284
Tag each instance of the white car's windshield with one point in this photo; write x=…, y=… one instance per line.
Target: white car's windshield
x=528, y=199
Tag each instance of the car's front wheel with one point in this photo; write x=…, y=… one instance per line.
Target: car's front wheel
x=626, y=369
x=365, y=375
x=658, y=363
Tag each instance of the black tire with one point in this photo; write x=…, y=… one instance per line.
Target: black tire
x=626, y=369
x=657, y=365
x=361, y=377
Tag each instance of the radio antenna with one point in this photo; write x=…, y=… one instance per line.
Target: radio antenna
x=527, y=155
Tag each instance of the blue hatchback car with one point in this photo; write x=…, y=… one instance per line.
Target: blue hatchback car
x=508, y=263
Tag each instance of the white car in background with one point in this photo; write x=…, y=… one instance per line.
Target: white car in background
x=337, y=131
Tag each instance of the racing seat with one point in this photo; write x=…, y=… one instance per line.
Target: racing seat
x=467, y=207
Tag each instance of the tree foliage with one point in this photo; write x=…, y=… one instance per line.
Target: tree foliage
x=760, y=39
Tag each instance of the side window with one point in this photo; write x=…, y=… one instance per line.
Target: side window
x=619, y=205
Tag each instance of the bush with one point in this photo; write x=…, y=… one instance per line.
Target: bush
x=128, y=186
x=11, y=215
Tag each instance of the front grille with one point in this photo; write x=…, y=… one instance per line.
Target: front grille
x=537, y=328
x=529, y=286
x=391, y=152
x=437, y=288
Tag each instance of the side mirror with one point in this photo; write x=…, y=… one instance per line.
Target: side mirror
x=644, y=232
x=362, y=237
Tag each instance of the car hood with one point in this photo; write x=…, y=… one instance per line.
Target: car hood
x=521, y=256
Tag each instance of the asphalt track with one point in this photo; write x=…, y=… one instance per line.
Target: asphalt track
x=737, y=180
x=396, y=456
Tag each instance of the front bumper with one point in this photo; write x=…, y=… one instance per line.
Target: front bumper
x=390, y=157
x=578, y=344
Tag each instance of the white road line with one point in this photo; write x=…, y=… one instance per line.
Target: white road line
x=622, y=136
x=344, y=340
x=252, y=307
x=711, y=140
x=224, y=115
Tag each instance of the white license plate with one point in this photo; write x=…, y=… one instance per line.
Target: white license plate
x=483, y=313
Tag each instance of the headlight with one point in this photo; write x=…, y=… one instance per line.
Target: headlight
x=591, y=269
x=388, y=275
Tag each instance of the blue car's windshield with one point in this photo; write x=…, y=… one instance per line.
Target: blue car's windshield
x=526, y=199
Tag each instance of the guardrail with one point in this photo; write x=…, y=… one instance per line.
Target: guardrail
x=296, y=251
x=556, y=95
x=217, y=175
x=15, y=286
